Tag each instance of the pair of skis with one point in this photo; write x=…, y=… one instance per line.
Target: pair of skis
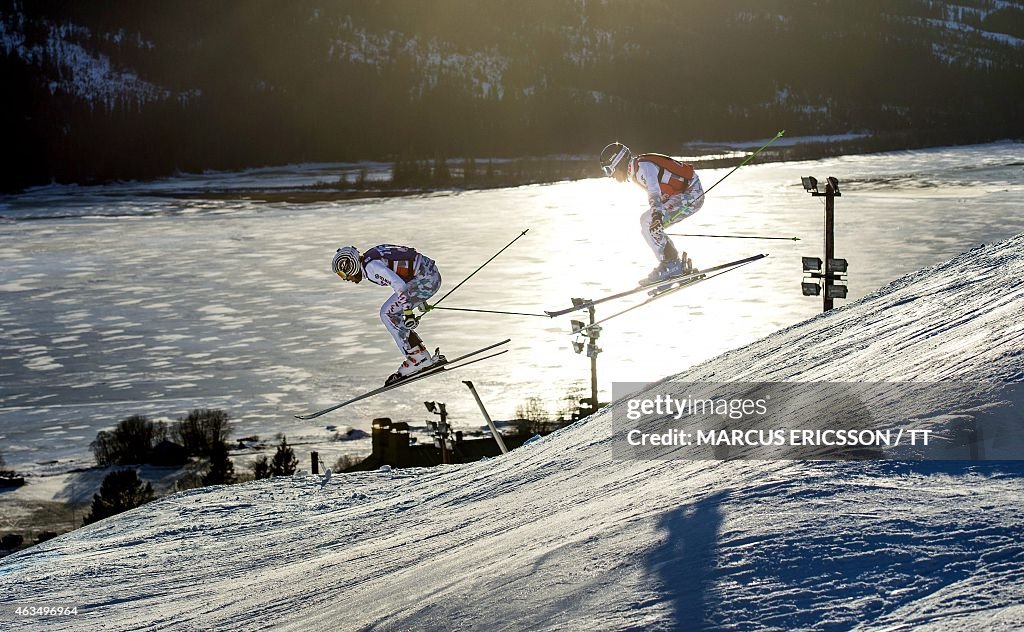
x=660, y=288
x=450, y=365
x=665, y=289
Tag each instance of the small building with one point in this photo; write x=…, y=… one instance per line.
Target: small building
x=9, y=479
x=392, y=446
x=168, y=453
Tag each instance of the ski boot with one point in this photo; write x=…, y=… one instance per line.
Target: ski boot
x=418, y=360
x=664, y=270
x=685, y=267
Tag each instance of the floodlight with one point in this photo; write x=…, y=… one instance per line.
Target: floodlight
x=811, y=264
x=810, y=184
x=431, y=407
x=835, y=291
x=577, y=347
x=810, y=289
x=837, y=265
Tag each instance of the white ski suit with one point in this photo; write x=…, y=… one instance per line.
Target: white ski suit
x=671, y=186
x=413, y=277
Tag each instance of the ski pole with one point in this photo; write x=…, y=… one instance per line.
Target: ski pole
x=430, y=307
x=489, y=311
x=730, y=236
x=777, y=136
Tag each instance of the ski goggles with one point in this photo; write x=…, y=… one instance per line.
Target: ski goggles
x=349, y=276
x=609, y=168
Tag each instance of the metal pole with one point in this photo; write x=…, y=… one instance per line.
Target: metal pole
x=730, y=236
x=443, y=428
x=483, y=411
x=430, y=307
x=777, y=136
x=829, y=243
x=593, y=361
x=488, y=311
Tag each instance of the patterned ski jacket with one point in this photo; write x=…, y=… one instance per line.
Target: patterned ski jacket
x=661, y=177
x=394, y=266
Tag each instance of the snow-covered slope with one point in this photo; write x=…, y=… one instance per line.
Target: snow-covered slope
x=557, y=535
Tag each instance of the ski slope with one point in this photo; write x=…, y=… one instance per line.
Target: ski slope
x=558, y=536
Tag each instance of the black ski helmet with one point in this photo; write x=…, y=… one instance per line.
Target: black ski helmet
x=615, y=157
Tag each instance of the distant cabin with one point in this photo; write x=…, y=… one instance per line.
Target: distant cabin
x=392, y=446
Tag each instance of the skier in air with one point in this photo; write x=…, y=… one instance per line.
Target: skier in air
x=414, y=279
x=674, y=193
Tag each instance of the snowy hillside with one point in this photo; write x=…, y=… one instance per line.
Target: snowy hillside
x=135, y=90
x=557, y=535
x=71, y=67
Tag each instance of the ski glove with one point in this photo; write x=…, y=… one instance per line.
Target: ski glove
x=410, y=319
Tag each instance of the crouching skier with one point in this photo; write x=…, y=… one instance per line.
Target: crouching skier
x=414, y=279
x=673, y=192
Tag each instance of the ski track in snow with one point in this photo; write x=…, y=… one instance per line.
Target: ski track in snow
x=558, y=536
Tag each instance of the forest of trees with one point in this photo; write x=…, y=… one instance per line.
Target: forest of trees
x=193, y=85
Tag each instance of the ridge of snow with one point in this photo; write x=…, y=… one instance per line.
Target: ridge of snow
x=558, y=535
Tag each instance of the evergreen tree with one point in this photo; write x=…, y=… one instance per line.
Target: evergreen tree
x=222, y=471
x=121, y=490
x=261, y=467
x=440, y=174
x=284, y=462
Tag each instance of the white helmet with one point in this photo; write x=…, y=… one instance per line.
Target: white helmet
x=346, y=264
x=615, y=156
